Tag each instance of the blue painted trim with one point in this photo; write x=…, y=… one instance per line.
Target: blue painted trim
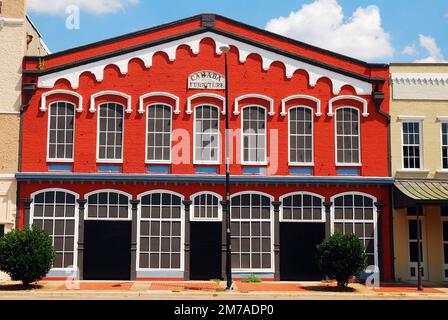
x=122, y=177
x=206, y=169
x=158, y=169
x=348, y=171
x=109, y=168
x=258, y=274
x=301, y=171
x=60, y=167
x=160, y=274
x=254, y=170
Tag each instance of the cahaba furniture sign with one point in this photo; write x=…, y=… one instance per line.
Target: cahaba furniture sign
x=206, y=80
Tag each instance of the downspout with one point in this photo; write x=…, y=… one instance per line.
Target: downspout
x=28, y=90
x=378, y=98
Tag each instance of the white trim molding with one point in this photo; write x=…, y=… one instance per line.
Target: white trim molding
x=43, y=102
x=365, y=112
x=419, y=86
x=170, y=49
x=301, y=96
x=256, y=96
x=410, y=118
x=141, y=107
x=10, y=22
x=112, y=93
x=442, y=118
x=205, y=95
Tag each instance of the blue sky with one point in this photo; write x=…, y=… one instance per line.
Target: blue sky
x=372, y=30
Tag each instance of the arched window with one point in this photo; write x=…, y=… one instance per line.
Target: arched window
x=302, y=207
x=356, y=214
x=110, y=135
x=347, y=136
x=61, y=126
x=254, y=135
x=206, y=134
x=301, y=135
x=158, y=140
x=160, y=231
x=55, y=211
x=206, y=207
x=251, y=232
x=108, y=205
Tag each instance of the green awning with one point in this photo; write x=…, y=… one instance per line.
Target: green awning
x=420, y=192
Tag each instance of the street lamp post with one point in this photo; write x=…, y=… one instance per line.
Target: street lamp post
x=225, y=50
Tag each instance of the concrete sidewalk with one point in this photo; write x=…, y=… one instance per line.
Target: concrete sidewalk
x=128, y=290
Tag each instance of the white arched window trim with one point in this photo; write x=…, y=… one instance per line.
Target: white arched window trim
x=324, y=218
x=87, y=195
x=43, y=102
x=289, y=138
x=254, y=95
x=365, y=112
x=339, y=164
x=265, y=162
x=205, y=95
x=76, y=218
x=375, y=216
x=141, y=107
x=301, y=96
x=195, y=161
x=171, y=135
x=112, y=93
x=197, y=194
x=182, y=233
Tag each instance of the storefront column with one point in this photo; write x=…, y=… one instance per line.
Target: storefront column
x=327, y=206
x=379, y=210
x=187, y=204
x=81, y=208
x=26, y=211
x=134, y=207
x=276, y=235
x=223, y=241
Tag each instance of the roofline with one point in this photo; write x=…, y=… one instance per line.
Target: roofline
x=195, y=178
x=41, y=39
x=373, y=80
x=201, y=16
x=419, y=64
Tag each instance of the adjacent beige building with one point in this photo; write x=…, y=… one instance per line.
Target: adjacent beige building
x=18, y=37
x=419, y=151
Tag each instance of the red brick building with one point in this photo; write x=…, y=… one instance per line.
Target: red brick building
x=122, y=154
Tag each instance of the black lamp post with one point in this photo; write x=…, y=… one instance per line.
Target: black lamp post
x=225, y=50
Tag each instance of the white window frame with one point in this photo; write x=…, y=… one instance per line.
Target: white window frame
x=444, y=122
x=76, y=219
x=304, y=164
x=182, y=230
x=63, y=160
x=86, y=210
x=302, y=193
x=424, y=252
x=420, y=126
x=214, y=194
x=43, y=103
x=98, y=160
x=254, y=163
x=195, y=161
x=375, y=218
x=270, y=270
x=146, y=135
x=343, y=164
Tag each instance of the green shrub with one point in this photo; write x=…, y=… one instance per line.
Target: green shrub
x=341, y=257
x=251, y=279
x=26, y=255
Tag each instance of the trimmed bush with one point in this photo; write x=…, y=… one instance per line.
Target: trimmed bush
x=26, y=255
x=341, y=257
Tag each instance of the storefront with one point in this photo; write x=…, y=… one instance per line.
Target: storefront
x=123, y=154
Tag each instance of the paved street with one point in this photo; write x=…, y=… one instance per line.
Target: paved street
x=214, y=291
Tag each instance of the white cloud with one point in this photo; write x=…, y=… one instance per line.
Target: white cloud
x=322, y=23
x=430, y=45
x=410, y=50
x=58, y=7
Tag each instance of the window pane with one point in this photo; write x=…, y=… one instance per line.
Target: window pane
x=159, y=132
x=110, y=131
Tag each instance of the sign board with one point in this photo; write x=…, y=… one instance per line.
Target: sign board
x=206, y=80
